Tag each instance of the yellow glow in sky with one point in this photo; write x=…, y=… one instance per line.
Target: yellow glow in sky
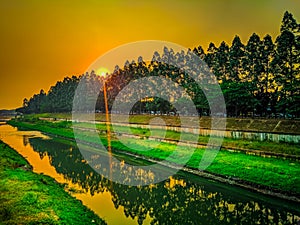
x=102, y=71
x=43, y=41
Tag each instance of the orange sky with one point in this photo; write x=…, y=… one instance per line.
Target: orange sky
x=43, y=41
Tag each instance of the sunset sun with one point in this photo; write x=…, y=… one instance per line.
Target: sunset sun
x=102, y=71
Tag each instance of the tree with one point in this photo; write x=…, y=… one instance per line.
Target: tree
x=210, y=56
x=236, y=55
x=222, y=62
x=267, y=80
x=199, y=52
x=286, y=63
x=252, y=62
x=288, y=23
x=254, y=69
x=25, y=102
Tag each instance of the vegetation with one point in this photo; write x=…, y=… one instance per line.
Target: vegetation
x=259, y=78
x=66, y=130
x=29, y=198
x=283, y=126
x=276, y=173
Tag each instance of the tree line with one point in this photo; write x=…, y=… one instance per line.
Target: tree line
x=259, y=78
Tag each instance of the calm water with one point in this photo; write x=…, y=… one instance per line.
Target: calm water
x=182, y=199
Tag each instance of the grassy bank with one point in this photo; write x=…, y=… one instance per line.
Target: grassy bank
x=29, y=198
x=65, y=130
x=284, y=126
x=275, y=173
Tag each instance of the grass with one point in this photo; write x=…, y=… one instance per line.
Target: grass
x=276, y=173
x=287, y=126
x=30, y=198
x=228, y=143
x=65, y=130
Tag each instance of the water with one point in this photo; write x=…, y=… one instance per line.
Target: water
x=182, y=199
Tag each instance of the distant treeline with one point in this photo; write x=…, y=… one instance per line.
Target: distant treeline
x=259, y=78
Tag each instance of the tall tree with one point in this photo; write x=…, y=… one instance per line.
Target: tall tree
x=286, y=63
x=199, y=52
x=254, y=69
x=211, y=56
x=252, y=62
x=236, y=55
x=222, y=62
x=289, y=23
x=266, y=79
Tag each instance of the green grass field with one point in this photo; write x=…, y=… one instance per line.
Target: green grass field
x=30, y=198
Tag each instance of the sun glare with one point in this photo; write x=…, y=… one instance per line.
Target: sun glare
x=102, y=71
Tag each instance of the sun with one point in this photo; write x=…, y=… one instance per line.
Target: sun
x=102, y=71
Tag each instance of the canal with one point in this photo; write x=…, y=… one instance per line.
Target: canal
x=181, y=199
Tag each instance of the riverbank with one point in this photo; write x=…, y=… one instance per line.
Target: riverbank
x=30, y=198
x=279, y=125
x=273, y=175
x=64, y=128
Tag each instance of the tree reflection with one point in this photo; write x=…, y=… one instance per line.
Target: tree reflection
x=174, y=201
x=25, y=140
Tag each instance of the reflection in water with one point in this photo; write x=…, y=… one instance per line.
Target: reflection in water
x=175, y=201
x=182, y=199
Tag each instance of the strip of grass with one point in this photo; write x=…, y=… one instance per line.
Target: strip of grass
x=286, y=126
x=275, y=173
x=65, y=130
x=30, y=198
x=61, y=128
x=228, y=143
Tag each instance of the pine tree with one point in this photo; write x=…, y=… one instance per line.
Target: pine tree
x=210, y=56
x=199, y=52
x=267, y=80
x=286, y=63
x=236, y=56
x=222, y=62
x=288, y=23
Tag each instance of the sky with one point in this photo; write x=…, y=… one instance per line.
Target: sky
x=43, y=41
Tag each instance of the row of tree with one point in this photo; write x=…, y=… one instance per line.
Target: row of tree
x=261, y=77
